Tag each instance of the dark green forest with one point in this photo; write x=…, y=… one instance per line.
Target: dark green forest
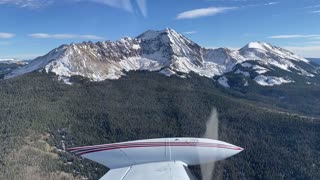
x=40, y=117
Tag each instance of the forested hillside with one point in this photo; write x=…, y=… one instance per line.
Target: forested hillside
x=40, y=117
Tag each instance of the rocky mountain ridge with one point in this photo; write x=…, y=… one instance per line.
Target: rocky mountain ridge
x=170, y=53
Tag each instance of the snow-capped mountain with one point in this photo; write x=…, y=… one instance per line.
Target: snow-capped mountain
x=167, y=52
x=7, y=59
x=12, y=61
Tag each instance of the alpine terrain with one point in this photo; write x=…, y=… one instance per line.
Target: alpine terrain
x=170, y=53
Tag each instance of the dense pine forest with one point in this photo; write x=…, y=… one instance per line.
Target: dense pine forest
x=40, y=117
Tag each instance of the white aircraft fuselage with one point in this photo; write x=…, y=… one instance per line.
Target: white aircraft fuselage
x=189, y=151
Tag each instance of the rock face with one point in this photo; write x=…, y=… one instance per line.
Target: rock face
x=165, y=51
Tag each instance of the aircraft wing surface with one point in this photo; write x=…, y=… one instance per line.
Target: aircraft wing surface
x=154, y=171
x=163, y=159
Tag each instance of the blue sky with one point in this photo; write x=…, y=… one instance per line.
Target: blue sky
x=30, y=28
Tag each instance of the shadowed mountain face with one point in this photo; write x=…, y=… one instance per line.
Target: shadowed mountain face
x=170, y=53
x=315, y=60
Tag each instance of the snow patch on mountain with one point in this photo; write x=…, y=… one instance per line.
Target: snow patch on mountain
x=244, y=73
x=167, y=72
x=65, y=80
x=305, y=73
x=246, y=83
x=223, y=81
x=260, y=69
x=271, y=80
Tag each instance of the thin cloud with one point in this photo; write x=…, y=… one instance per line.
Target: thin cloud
x=204, y=12
x=27, y=3
x=190, y=32
x=142, y=4
x=39, y=35
x=126, y=5
x=313, y=6
x=271, y=3
x=316, y=12
x=4, y=35
x=306, y=51
x=121, y=4
x=64, y=36
x=294, y=36
x=314, y=42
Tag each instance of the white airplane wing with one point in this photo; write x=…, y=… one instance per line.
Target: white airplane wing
x=154, y=171
x=164, y=159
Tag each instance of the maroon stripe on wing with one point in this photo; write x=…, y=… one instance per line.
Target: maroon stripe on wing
x=140, y=143
x=144, y=145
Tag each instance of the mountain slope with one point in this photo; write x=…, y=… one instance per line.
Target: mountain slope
x=170, y=53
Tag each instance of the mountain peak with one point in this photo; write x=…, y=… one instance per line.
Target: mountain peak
x=169, y=30
x=149, y=34
x=258, y=45
x=153, y=34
